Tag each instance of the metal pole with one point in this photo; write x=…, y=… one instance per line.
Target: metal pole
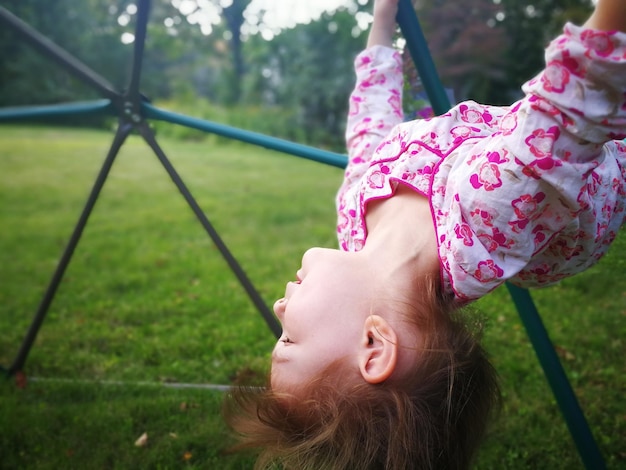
x=256, y=298
x=561, y=388
x=418, y=48
x=122, y=132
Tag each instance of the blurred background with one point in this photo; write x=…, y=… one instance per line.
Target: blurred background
x=279, y=67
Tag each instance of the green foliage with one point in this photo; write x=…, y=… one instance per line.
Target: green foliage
x=91, y=31
x=485, y=50
x=310, y=69
x=84, y=29
x=290, y=87
x=530, y=27
x=147, y=298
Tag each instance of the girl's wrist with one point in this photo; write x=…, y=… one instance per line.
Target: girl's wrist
x=381, y=35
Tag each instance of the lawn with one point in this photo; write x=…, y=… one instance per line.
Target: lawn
x=148, y=301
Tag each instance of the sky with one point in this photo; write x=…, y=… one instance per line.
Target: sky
x=279, y=14
x=288, y=13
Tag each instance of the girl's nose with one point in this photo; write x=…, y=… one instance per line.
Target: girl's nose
x=279, y=308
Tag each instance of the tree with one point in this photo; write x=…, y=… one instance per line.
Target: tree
x=100, y=34
x=234, y=19
x=485, y=49
x=26, y=77
x=233, y=15
x=529, y=27
x=309, y=68
x=466, y=43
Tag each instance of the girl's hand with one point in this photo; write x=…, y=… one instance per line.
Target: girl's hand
x=608, y=15
x=384, y=25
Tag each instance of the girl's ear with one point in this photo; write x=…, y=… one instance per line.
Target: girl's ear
x=378, y=351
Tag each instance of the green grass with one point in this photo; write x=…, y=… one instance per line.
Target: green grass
x=148, y=298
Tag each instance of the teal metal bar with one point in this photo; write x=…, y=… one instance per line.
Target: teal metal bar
x=97, y=107
x=555, y=374
x=418, y=48
x=273, y=143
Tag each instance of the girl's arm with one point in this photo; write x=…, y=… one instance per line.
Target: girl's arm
x=384, y=25
x=376, y=101
x=609, y=15
x=375, y=107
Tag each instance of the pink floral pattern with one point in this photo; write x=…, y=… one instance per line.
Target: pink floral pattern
x=556, y=77
x=488, y=175
x=530, y=193
x=488, y=271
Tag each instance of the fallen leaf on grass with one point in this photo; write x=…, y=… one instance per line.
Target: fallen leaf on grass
x=564, y=353
x=142, y=441
x=187, y=456
x=184, y=406
x=20, y=379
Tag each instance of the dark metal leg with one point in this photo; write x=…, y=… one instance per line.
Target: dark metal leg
x=122, y=132
x=143, y=11
x=258, y=301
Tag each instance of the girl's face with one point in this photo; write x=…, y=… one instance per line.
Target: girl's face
x=322, y=316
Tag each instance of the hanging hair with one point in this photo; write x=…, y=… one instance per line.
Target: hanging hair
x=433, y=417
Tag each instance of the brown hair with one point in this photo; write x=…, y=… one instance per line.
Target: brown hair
x=432, y=418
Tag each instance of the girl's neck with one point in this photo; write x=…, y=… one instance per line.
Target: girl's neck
x=401, y=234
x=401, y=253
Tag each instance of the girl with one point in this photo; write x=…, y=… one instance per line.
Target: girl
x=373, y=370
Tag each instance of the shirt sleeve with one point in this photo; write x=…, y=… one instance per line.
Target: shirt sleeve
x=583, y=87
x=549, y=180
x=375, y=107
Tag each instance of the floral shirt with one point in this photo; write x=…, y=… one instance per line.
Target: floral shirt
x=530, y=193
